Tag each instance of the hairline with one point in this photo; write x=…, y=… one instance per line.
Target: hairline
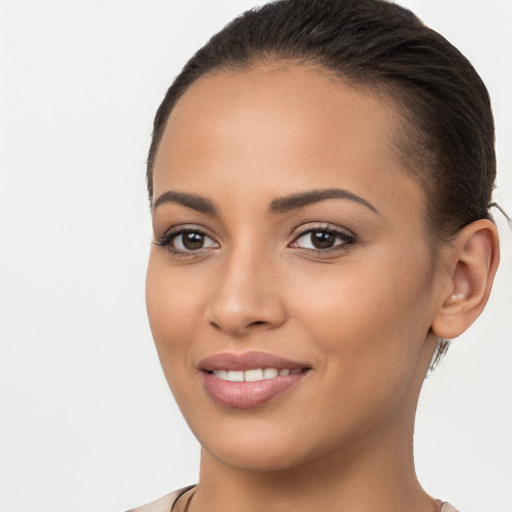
x=406, y=132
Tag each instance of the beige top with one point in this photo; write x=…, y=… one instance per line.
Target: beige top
x=166, y=503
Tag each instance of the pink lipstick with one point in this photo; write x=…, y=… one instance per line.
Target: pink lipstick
x=249, y=379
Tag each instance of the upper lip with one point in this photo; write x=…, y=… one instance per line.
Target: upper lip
x=247, y=361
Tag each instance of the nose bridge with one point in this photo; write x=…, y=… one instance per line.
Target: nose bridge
x=247, y=290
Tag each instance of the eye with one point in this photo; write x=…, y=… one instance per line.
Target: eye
x=186, y=241
x=192, y=241
x=324, y=239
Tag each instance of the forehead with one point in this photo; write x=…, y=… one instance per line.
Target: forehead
x=278, y=105
x=286, y=127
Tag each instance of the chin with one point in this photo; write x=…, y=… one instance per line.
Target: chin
x=258, y=458
x=256, y=445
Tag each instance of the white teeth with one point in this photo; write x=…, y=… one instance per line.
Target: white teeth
x=254, y=374
x=269, y=373
x=236, y=376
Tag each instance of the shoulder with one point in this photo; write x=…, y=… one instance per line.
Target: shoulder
x=448, y=508
x=165, y=503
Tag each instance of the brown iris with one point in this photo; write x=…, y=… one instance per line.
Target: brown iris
x=322, y=240
x=192, y=241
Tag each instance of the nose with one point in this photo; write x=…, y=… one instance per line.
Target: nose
x=247, y=296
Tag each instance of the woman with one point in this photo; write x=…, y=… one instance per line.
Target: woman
x=320, y=179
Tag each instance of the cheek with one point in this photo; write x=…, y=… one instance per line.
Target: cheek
x=370, y=317
x=174, y=300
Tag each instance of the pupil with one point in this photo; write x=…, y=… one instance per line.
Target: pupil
x=193, y=241
x=322, y=240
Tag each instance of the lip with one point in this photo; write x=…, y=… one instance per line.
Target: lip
x=247, y=361
x=245, y=395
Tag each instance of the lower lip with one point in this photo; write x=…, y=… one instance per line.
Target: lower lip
x=244, y=395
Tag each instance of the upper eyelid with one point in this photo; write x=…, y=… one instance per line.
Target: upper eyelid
x=320, y=226
x=183, y=228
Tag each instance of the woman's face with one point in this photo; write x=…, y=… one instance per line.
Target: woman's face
x=288, y=236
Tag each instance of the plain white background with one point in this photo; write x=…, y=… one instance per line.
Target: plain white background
x=86, y=420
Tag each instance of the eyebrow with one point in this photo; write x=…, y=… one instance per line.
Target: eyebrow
x=194, y=201
x=279, y=205
x=301, y=199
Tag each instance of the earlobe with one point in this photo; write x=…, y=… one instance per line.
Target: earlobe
x=473, y=261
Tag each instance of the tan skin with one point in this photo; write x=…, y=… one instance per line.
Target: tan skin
x=364, y=313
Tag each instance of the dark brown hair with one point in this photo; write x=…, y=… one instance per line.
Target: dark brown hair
x=447, y=138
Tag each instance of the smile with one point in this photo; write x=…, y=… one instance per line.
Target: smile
x=253, y=375
x=242, y=381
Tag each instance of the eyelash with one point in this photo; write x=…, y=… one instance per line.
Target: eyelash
x=166, y=240
x=347, y=240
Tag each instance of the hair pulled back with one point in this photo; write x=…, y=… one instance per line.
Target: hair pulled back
x=447, y=138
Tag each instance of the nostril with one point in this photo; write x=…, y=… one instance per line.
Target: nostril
x=258, y=322
x=239, y=317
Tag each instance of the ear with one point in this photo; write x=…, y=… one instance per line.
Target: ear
x=471, y=263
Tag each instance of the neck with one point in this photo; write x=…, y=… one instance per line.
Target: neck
x=381, y=477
